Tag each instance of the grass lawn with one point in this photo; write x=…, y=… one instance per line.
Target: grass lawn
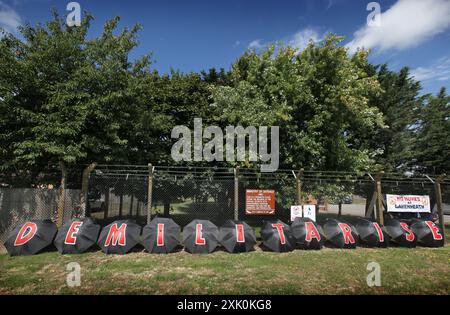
x=328, y=271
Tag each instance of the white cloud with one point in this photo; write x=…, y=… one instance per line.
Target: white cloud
x=329, y=5
x=9, y=19
x=407, y=23
x=439, y=71
x=298, y=40
x=301, y=39
x=255, y=44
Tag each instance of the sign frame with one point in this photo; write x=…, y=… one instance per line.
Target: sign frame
x=408, y=203
x=260, y=202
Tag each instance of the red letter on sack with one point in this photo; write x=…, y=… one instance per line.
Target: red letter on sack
x=26, y=233
x=311, y=232
x=279, y=227
x=70, y=236
x=116, y=234
x=434, y=230
x=240, y=238
x=347, y=231
x=379, y=232
x=409, y=234
x=199, y=240
x=160, y=235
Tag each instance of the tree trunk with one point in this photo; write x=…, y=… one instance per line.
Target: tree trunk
x=166, y=208
x=120, y=205
x=367, y=204
x=84, y=210
x=131, y=205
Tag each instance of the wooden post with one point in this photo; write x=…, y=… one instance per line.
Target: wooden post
x=236, y=193
x=437, y=188
x=379, y=200
x=299, y=187
x=369, y=212
x=62, y=194
x=149, y=193
x=85, y=188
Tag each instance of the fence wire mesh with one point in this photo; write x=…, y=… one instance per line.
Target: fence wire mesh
x=187, y=193
x=19, y=205
x=282, y=182
x=117, y=193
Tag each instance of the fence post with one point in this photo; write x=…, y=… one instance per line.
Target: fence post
x=299, y=187
x=379, y=201
x=85, y=188
x=149, y=192
x=62, y=194
x=437, y=188
x=236, y=193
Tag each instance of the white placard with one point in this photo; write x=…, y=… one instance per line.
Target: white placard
x=309, y=211
x=408, y=203
x=296, y=212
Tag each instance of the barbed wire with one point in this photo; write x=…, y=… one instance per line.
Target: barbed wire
x=218, y=172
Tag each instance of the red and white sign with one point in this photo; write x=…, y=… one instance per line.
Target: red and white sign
x=259, y=202
x=408, y=203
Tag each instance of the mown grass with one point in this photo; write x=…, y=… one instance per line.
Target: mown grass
x=327, y=271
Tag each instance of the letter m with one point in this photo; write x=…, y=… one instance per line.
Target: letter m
x=116, y=234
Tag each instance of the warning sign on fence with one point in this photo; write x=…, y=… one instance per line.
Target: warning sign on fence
x=309, y=211
x=259, y=202
x=408, y=203
x=296, y=212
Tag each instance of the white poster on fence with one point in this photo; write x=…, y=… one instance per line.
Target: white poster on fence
x=296, y=212
x=309, y=211
x=408, y=203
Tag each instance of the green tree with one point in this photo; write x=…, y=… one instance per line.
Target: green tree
x=431, y=149
x=398, y=102
x=68, y=99
x=319, y=98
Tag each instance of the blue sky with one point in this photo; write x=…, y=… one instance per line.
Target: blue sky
x=192, y=35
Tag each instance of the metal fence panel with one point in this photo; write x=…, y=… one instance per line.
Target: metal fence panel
x=114, y=196
x=187, y=193
x=18, y=205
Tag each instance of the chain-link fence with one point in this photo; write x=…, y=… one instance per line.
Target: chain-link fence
x=212, y=193
x=18, y=205
x=445, y=191
x=180, y=193
x=339, y=193
x=187, y=193
x=283, y=182
x=118, y=193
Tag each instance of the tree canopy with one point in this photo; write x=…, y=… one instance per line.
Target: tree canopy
x=68, y=98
